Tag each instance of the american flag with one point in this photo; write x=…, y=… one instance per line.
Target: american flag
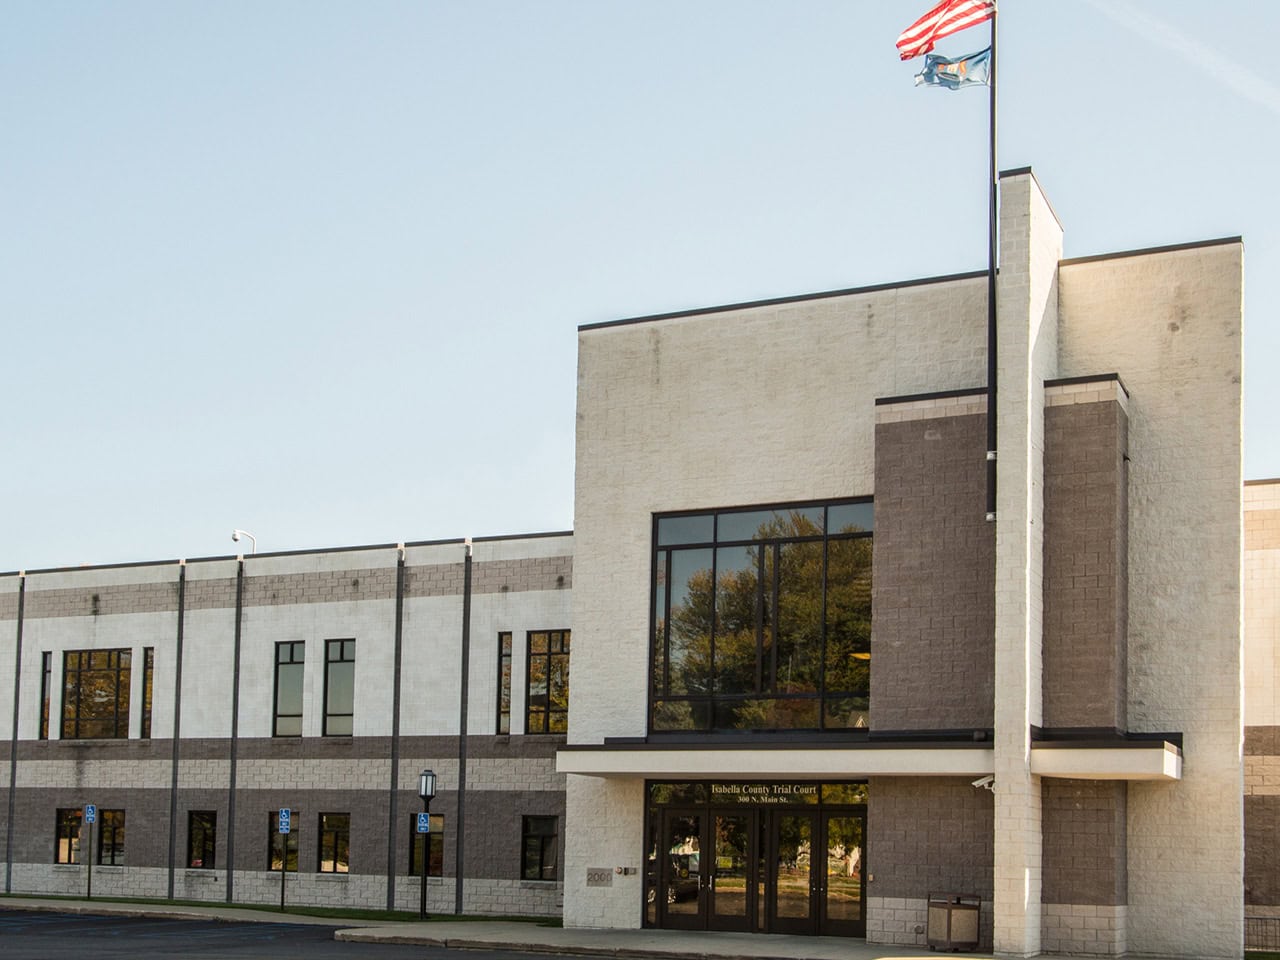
x=948, y=17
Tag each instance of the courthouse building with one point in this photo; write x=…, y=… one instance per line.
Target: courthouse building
x=804, y=683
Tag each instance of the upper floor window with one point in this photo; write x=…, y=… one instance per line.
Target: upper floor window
x=762, y=618
x=547, y=702
x=46, y=691
x=339, y=687
x=148, y=678
x=95, y=694
x=504, y=682
x=290, y=660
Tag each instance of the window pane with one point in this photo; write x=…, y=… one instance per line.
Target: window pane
x=848, y=620
x=850, y=518
x=289, y=689
x=769, y=524
x=690, y=630
x=798, y=631
x=695, y=529
x=737, y=618
x=342, y=681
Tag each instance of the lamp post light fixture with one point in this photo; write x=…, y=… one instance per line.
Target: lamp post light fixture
x=427, y=791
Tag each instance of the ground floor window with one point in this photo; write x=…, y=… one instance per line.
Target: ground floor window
x=282, y=848
x=202, y=835
x=111, y=838
x=335, y=842
x=539, y=858
x=435, y=842
x=67, y=833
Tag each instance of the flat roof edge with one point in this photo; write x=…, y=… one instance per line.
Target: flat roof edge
x=1147, y=251
x=778, y=301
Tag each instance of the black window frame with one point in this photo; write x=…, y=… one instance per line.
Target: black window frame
x=68, y=826
x=294, y=647
x=333, y=831
x=283, y=846
x=111, y=824
x=709, y=703
x=206, y=833
x=346, y=650
x=536, y=844
x=435, y=863
x=78, y=663
x=557, y=651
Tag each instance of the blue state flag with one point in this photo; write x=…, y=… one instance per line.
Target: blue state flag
x=974, y=69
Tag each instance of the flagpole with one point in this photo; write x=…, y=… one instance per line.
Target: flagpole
x=992, y=242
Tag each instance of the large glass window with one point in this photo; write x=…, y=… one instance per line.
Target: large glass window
x=335, y=843
x=111, y=837
x=290, y=661
x=762, y=618
x=504, y=682
x=339, y=687
x=435, y=855
x=547, y=703
x=202, y=838
x=95, y=694
x=539, y=856
x=66, y=847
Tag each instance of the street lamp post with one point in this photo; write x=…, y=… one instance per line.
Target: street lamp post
x=427, y=791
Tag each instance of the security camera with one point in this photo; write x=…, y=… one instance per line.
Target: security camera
x=985, y=783
x=235, y=535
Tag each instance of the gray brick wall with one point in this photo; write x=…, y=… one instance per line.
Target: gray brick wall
x=1084, y=842
x=101, y=600
x=929, y=835
x=932, y=641
x=1086, y=562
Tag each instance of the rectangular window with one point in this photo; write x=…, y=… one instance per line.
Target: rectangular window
x=762, y=618
x=540, y=849
x=435, y=865
x=202, y=837
x=111, y=837
x=282, y=846
x=504, y=682
x=46, y=690
x=335, y=842
x=95, y=694
x=547, y=700
x=67, y=836
x=288, y=695
x=148, y=673
x=339, y=687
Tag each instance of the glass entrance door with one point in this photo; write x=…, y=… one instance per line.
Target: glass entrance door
x=792, y=902
x=842, y=893
x=680, y=866
x=731, y=888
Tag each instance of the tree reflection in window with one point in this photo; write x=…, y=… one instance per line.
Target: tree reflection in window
x=763, y=622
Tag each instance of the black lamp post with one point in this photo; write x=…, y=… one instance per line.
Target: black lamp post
x=427, y=791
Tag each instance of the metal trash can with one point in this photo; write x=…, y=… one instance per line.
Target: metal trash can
x=953, y=921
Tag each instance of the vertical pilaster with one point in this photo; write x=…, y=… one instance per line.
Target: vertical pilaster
x=1031, y=246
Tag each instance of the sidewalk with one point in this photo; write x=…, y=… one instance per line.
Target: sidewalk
x=510, y=935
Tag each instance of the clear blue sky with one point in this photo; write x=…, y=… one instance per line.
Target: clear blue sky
x=315, y=269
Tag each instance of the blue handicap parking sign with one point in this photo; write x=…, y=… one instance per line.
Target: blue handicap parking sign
x=90, y=813
x=285, y=817
x=424, y=823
